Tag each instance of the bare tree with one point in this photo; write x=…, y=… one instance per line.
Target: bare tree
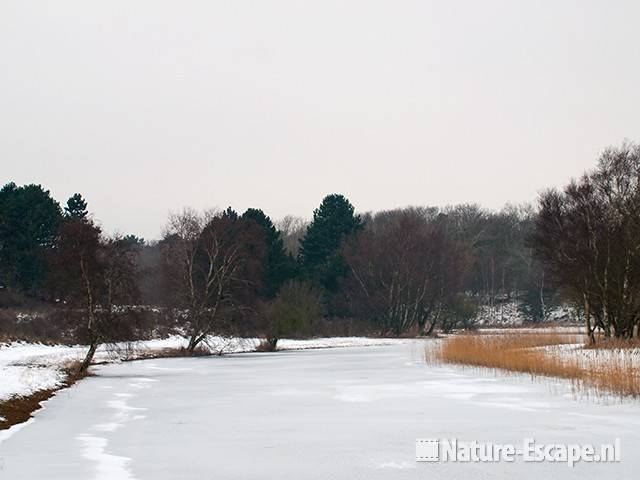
x=406, y=269
x=587, y=237
x=210, y=257
x=94, y=274
x=293, y=230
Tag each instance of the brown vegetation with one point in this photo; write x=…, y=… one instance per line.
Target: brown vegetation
x=406, y=269
x=539, y=355
x=615, y=344
x=63, y=324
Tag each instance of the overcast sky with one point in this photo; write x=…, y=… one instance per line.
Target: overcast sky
x=148, y=106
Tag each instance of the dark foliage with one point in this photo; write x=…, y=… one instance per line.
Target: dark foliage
x=320, y=258
x=29, y=220
x=587, y=237
x=76, y=207
x=278, y=266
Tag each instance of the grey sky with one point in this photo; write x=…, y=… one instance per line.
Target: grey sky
x=146, y=106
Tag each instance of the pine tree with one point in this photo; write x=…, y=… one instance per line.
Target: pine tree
x=231, y=214
x=278, y=265
x=319, y=255
x=29, y=221
x=76, y=207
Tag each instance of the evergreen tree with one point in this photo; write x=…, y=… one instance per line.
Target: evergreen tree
x=231, y=214
x=76, y=207
x=29, y=221
x=133, y=240
x=319, y=255
x=278, y=265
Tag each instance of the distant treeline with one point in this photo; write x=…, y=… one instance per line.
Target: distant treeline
x=403, y=271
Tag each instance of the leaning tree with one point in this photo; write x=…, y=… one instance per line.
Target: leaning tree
x=213, y=263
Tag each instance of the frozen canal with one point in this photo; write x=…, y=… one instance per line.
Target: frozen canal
x=348, y=413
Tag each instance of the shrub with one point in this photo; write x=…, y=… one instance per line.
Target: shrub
x=292, y=313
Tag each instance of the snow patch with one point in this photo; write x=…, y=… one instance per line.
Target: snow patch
x=107, y=466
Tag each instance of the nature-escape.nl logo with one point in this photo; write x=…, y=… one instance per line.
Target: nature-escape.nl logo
x=452, y=450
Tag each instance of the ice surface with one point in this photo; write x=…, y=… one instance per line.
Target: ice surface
x=26, y=368
x=349, y=413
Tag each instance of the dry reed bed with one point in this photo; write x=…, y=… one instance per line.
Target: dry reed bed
x=610, y=370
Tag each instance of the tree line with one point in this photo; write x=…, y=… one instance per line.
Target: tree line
x=588, y=237
x=408, y=271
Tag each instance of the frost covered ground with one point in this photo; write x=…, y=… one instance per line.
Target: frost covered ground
x=349, y=413
x=26, y=368
x=510, y=314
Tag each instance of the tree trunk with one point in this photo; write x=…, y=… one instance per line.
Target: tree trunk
x=272, y=342
x=587, y=320
x=194, y=341
x=89, y=357
x=543, y=307
x=92, y=326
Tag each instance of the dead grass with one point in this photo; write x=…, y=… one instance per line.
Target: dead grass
x=19, y=409
x=615, y=344
x=541, y=355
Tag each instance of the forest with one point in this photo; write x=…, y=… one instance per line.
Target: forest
x=402, y=272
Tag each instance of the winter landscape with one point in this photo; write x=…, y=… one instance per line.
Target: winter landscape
x=324, y=240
